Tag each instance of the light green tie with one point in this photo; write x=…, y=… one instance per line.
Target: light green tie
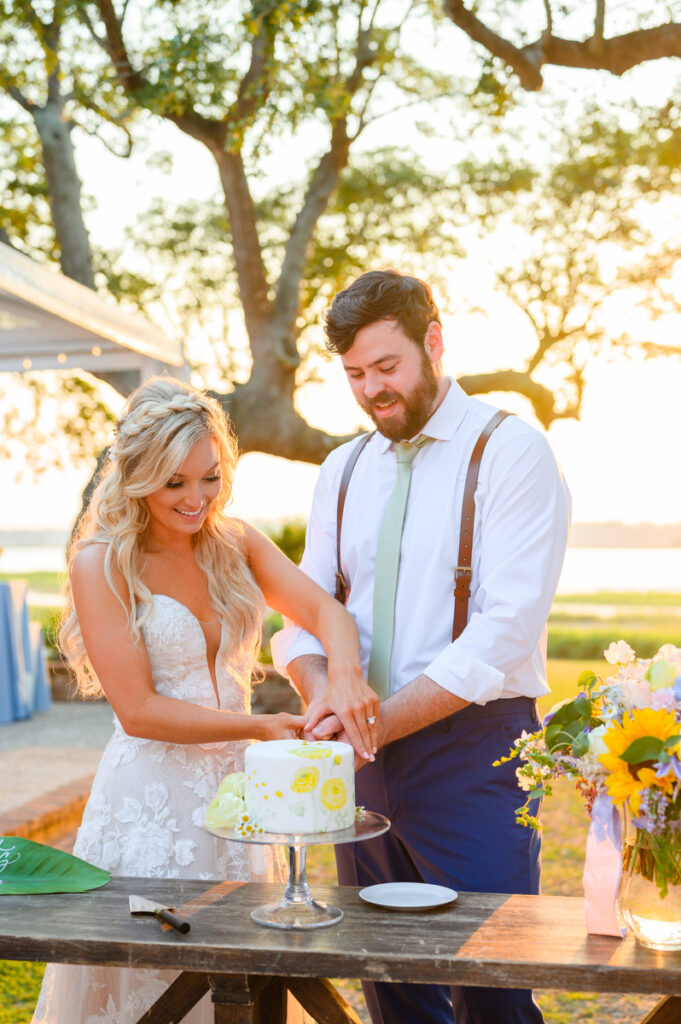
x=387, y=568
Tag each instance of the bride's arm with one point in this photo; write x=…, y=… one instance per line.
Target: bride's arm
x=287, y=589
x=123, y=669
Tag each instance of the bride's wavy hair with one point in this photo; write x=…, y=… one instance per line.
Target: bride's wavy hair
x=160, y=424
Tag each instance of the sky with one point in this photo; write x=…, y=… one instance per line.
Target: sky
x=621, y=459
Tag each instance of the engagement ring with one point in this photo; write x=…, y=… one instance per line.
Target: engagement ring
x=371, y=720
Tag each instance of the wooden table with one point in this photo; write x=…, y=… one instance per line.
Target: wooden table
x=481, y=939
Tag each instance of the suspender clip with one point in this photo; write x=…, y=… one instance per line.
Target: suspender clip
x=341, y=588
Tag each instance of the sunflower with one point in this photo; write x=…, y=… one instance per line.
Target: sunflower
x=627, y=781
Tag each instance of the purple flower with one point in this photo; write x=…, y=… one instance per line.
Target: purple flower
x=676, y=686
x=672, y=767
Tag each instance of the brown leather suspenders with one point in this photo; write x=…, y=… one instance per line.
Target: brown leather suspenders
x=463, y=572
x=341, y=583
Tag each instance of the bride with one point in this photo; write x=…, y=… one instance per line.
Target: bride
x=163, y=616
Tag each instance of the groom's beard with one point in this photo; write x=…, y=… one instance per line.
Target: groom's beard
x=414, y=408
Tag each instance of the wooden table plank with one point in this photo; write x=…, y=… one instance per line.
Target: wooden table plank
x=482, y=939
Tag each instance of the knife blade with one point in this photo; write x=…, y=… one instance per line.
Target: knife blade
x=141, y=905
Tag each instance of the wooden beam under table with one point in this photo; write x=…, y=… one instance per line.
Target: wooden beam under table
x=245, y=999
x=667, y=1011
x=178, y=999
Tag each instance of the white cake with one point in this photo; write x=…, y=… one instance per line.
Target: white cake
x=300, y=786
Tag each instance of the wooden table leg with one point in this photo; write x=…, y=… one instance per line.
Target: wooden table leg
x=177, y=1000
x=240, y=999
x=667, y=1011
x=270, y=1002
x=322, y=1001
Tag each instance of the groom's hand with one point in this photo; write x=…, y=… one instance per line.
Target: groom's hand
x=354, y=705
x=326, y=728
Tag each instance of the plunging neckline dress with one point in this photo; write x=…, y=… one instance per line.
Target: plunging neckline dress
x=145, y=815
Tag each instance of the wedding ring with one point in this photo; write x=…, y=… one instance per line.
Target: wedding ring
x=371, y=719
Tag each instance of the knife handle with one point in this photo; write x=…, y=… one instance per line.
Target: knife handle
x=176, y=922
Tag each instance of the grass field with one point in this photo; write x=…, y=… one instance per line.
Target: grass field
x=599, y=618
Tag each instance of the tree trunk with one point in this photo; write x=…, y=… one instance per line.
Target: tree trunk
x=64, y=188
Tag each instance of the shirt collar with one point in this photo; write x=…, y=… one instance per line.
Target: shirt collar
x=444, y=422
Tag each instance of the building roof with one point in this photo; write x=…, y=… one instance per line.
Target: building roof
x=49, y=322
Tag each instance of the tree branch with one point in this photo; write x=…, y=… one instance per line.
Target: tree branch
x=19, y=97
x=543, y=400
x=262, y=51
x=549, y=17
x=213, y=134
x=525, y=66
x=250, y=269
x=616, y=55
x=323, y=182
x=321, y=187
x=131, y=80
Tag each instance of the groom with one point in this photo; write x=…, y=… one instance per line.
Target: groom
x=449, y=707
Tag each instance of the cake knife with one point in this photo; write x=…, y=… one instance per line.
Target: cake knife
x=141, y=905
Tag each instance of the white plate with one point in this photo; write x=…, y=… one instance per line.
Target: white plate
x=408, y=895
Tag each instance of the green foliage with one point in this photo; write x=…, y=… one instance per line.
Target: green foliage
x=566, y=723
x=590, y=643
x=74, y=407
x=24, y=201
x=19, y=989
x=290, y=538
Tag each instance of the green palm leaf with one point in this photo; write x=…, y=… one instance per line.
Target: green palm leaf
x=28, y=867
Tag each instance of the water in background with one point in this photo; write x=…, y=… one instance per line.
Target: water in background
x=586, y=569
x=37, y=559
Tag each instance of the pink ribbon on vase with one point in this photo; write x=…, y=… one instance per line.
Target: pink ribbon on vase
x=603, y=869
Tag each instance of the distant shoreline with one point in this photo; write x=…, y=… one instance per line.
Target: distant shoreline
x=583, y=535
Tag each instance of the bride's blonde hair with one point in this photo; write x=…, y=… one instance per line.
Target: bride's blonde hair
x=160, y=424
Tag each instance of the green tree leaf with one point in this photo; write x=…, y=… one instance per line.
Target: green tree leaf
x=28, y=867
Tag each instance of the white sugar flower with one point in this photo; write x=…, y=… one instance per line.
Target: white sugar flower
x=619, y=653
x=233, y=784
x=224, y=811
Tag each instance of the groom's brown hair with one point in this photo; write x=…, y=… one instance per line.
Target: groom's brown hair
x=380, y=295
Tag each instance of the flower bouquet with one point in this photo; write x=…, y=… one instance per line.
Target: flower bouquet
x=620, y=740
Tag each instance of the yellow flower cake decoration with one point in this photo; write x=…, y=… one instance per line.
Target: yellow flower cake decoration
x=312, y=752
x=305, y=780
x=334, y=794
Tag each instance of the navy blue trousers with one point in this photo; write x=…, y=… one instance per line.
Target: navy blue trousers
x=453, y=824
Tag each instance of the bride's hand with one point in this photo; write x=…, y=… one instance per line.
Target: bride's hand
x=354, y=703
x=280, y=727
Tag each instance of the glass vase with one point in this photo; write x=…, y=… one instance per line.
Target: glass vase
x=653, y=915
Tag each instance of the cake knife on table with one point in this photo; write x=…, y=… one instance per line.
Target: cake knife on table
x=141, y=905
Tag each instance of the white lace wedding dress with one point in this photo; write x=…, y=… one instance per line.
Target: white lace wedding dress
x=145, y=815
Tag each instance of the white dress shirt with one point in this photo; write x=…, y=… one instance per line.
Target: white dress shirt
x=522, y=509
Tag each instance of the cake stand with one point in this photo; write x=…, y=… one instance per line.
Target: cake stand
x=297, y=909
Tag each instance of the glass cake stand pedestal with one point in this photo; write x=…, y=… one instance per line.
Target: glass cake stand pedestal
x=297, y=909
